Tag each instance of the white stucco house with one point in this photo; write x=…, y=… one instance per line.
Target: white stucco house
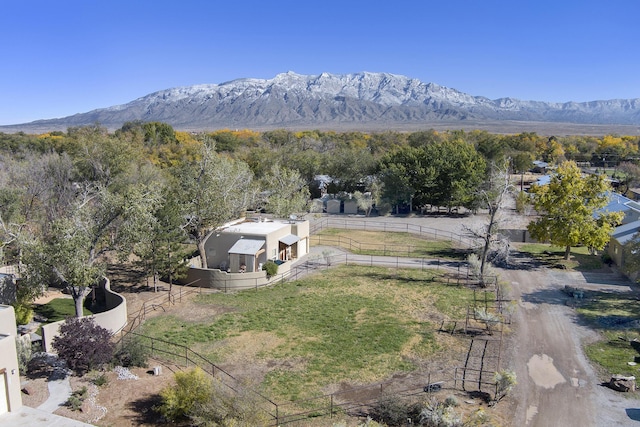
x=237, y=251
x=245, y=245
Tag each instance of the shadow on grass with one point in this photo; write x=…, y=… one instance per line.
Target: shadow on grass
x=454, y=254
x=554, y=258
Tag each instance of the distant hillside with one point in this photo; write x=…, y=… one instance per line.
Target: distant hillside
x=351, y=101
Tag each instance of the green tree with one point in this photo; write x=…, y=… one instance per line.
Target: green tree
x=161, y=249
x=405, y=175
x=459, y=170
x=350, y=166
x=71, y=250
x=569, y=210
x=365, y=202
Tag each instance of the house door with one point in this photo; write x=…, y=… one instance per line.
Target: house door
x=4, y=398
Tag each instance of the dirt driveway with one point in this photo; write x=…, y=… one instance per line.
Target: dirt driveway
x=556, y=384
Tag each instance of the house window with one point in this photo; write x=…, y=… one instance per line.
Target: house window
x=274, y=253
x=615, y=249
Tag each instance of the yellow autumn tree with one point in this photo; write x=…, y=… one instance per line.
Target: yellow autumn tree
x=570, y=210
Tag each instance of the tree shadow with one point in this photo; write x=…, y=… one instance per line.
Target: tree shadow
x=145, y=411
x=449, y=254
x=546, y=296
x=127, y=278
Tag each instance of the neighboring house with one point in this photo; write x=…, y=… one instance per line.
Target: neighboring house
x=624, y=232
x=543, y=180
x=620, y=203
x=540, y=167
x=10, y=397
x=634, y=193
x=322, y=183
x=621, y=236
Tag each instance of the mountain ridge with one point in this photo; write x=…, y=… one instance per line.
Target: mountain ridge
x=354, y=100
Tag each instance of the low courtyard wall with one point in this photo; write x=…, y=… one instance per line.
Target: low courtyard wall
x=114, y=318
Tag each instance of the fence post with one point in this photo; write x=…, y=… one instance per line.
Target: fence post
x=331, y=407
x=455, y=378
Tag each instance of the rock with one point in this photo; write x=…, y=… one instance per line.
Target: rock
x=27, y=389
x=623, y=384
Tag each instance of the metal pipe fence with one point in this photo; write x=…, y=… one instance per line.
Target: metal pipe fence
x=400, y=227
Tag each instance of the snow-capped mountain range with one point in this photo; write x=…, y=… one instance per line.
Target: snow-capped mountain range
x=330, y=100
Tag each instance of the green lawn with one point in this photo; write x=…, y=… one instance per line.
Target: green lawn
x=611, y=313
x=58, y=309
x=350, y=323
x=388, y=243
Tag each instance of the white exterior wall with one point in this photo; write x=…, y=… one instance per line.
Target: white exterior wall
x=10, y=399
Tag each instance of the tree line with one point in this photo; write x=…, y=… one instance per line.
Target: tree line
x=72, y=201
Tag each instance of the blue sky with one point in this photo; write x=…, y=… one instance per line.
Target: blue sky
x=69, y=56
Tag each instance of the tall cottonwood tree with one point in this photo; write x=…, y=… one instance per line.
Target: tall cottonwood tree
x=493, y=198
x=100, y=221
x=286, y=191
x=214, y=191
x=569, y=210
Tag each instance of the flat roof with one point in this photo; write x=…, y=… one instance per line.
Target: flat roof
x=31, y=417
x=255, y=227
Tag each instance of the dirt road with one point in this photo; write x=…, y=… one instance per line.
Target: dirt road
x=556, y=384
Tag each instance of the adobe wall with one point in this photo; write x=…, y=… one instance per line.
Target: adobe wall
x=113, y=319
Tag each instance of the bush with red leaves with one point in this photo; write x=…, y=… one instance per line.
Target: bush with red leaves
x=83, y=344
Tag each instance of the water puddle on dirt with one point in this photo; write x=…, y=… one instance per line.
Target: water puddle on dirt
x=543, y=372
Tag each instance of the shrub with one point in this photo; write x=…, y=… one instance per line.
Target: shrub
x=451, y=401
x=393, y=411
x=271, y=268
x=226, y=407
x=505, y=380
x=488, y=318
x=24, y=312
x=100, y=380
x=437, y=414
x=75, y=400
x=132, y=352
x=25, y=352
x=192, y=388
x=83, y=344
